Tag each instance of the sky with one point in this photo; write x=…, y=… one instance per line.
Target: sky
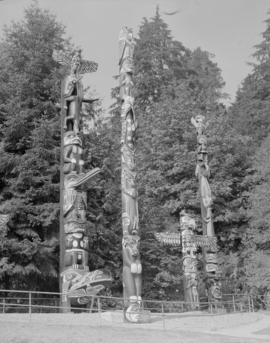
x=229, y=29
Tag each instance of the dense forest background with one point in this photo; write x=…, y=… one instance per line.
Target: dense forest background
x=173, y=83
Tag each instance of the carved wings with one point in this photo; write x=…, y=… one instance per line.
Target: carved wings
x=65, y=58
x=166, y=238
x=87, y=67
x=174, y=239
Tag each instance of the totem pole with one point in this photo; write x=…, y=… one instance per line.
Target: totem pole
x=77, y=284
x=189, y=242
x=202, y=172
x=189, y=250
x=132, y=268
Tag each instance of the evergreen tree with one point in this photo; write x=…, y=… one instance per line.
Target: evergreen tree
x=159, y=61
x=30, y=149
x=102, y=149
x=250, y=112
x=257, y=239
x=250, y=117
x=166, y=152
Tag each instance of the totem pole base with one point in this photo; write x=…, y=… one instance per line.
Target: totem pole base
x=65, y=306
x=134, y=312
x=137, y=316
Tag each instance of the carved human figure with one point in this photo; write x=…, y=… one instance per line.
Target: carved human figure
x=73, y=85
x=73, y=161
x=215, y=290
x=130, y=219
x=199, y=124
x=132, y=268
x=74, y=203
x=126, y=50
x=206, y=206
x=76, y=258
x=129, y=123
x=126, y=85
x=191, y=285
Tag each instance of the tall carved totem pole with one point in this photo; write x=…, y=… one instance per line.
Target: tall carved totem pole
x=132, y=268
x=77, y=283
x=189, y=244
x=202, y=173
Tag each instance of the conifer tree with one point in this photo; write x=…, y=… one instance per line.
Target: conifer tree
x=250, y=112
x=256, y=256
x=249, y=115
x=30, y=149
x=190, y=84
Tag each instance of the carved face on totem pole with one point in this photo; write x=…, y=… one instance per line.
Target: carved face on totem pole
x=126, y=50
x=72, y=153
x=127, y=85
x=74, y=206
x=76, y=240
x=129, y=228
x=70, y=138
x=190, y=263
x=76, y=62
x=191, y=280
x=215, y=289
x=132, y=242
x=198, y=122
x=187, y=223
x=202, y=145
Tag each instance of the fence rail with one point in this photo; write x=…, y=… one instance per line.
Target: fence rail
x=49, y=302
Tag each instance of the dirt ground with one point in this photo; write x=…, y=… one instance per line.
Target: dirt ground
x=109, y=327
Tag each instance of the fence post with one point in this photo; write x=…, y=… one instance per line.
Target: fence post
x=98, y=303
x=252, y=305
x=233, y=299
x=211, y=306
x=4, y=305
x=30, y=303
x=92, y=304
x=249, y=304
x=163, y=317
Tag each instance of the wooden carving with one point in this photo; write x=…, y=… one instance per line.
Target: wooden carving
x=202, y=172
x=78, y=284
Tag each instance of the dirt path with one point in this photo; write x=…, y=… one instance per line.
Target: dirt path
x=109, y=328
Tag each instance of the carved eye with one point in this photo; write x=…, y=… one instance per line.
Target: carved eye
x=74, y=244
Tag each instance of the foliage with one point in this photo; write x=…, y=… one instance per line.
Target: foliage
x=172, y=84
x=250, y=112
x=30, y=141
x=167, y=149
x=257, y=239
x=104, y=199
x=250, y=116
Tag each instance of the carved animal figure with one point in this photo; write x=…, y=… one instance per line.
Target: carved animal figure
x=132, y=267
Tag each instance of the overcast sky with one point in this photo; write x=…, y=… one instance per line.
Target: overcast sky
x=227, y=28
